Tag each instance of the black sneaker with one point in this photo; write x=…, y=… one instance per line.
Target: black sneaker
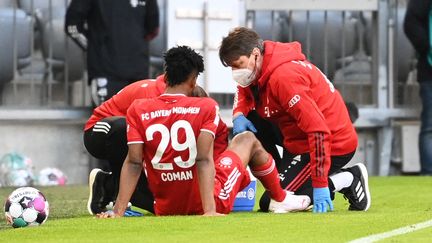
x=358, y=193
x=98, y=198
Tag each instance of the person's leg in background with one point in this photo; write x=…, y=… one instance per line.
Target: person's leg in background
x=245, y=150
x=107, y=141
x=294, y=170
x=268, y=134
x=294, y=173
x=117, y=150
x=425, y=137
x=103, y=88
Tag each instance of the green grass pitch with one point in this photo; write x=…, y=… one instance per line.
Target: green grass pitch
x=396, y=202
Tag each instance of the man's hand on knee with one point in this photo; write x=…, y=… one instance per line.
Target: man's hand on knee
x=241, y=124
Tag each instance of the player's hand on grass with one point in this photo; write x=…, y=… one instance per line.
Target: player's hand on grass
x=241, y=124
x=211, y=214
x=107, y=214
x=322, y=200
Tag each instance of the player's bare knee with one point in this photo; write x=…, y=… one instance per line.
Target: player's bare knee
x=242, y=144
x=248, y=141
x=250, y=145
x=245, y=139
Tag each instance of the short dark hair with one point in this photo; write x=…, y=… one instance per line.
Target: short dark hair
x=180, y=63
x=239, y=42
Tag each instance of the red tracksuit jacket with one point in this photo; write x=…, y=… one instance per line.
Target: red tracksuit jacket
x=297, y=97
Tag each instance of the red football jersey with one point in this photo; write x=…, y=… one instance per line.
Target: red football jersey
x=149, y=88
x=168, y=126
x=120, y=102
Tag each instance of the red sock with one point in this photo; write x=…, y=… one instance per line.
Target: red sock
x=269, y=177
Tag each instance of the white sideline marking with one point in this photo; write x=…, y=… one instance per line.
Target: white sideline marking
x=399, y=231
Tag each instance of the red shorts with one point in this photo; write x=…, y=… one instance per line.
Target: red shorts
x=231, y=177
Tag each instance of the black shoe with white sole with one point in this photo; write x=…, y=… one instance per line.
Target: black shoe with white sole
x=98, y=194
x=358, y=193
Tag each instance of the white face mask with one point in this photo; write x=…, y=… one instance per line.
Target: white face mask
x=244, y=76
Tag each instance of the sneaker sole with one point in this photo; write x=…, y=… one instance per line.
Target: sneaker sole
x=364, y=173
x=276, y=211
x=92, y=178
x=308, y=208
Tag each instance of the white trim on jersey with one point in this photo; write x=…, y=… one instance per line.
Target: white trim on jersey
x=165, y=94
x=217, y=118
x=206, y=130
x=229, y=184
x=135, y=142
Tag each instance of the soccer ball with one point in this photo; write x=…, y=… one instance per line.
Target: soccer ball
x=16, y=170
x=26, y=206
x=51, y=177
x=19, y=178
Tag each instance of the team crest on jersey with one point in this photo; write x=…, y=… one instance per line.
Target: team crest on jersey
x=225, y=162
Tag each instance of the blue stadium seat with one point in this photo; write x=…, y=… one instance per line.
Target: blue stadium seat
x=33, y=8
x=404, y=51
x=6, y=50
x=30, y=6
x=20, y=32
x=318, y=30
x=267, y=25
x=62, y=56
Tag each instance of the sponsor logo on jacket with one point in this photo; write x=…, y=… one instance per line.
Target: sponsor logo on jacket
x=294, y=100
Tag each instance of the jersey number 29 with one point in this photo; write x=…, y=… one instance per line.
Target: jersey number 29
x=171, y=135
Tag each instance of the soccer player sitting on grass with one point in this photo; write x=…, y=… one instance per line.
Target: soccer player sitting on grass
x=105, y=138
x=174, y=135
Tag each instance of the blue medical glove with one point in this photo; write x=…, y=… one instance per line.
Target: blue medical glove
x=321, y=197
x=241, y=124
x=132, y=213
